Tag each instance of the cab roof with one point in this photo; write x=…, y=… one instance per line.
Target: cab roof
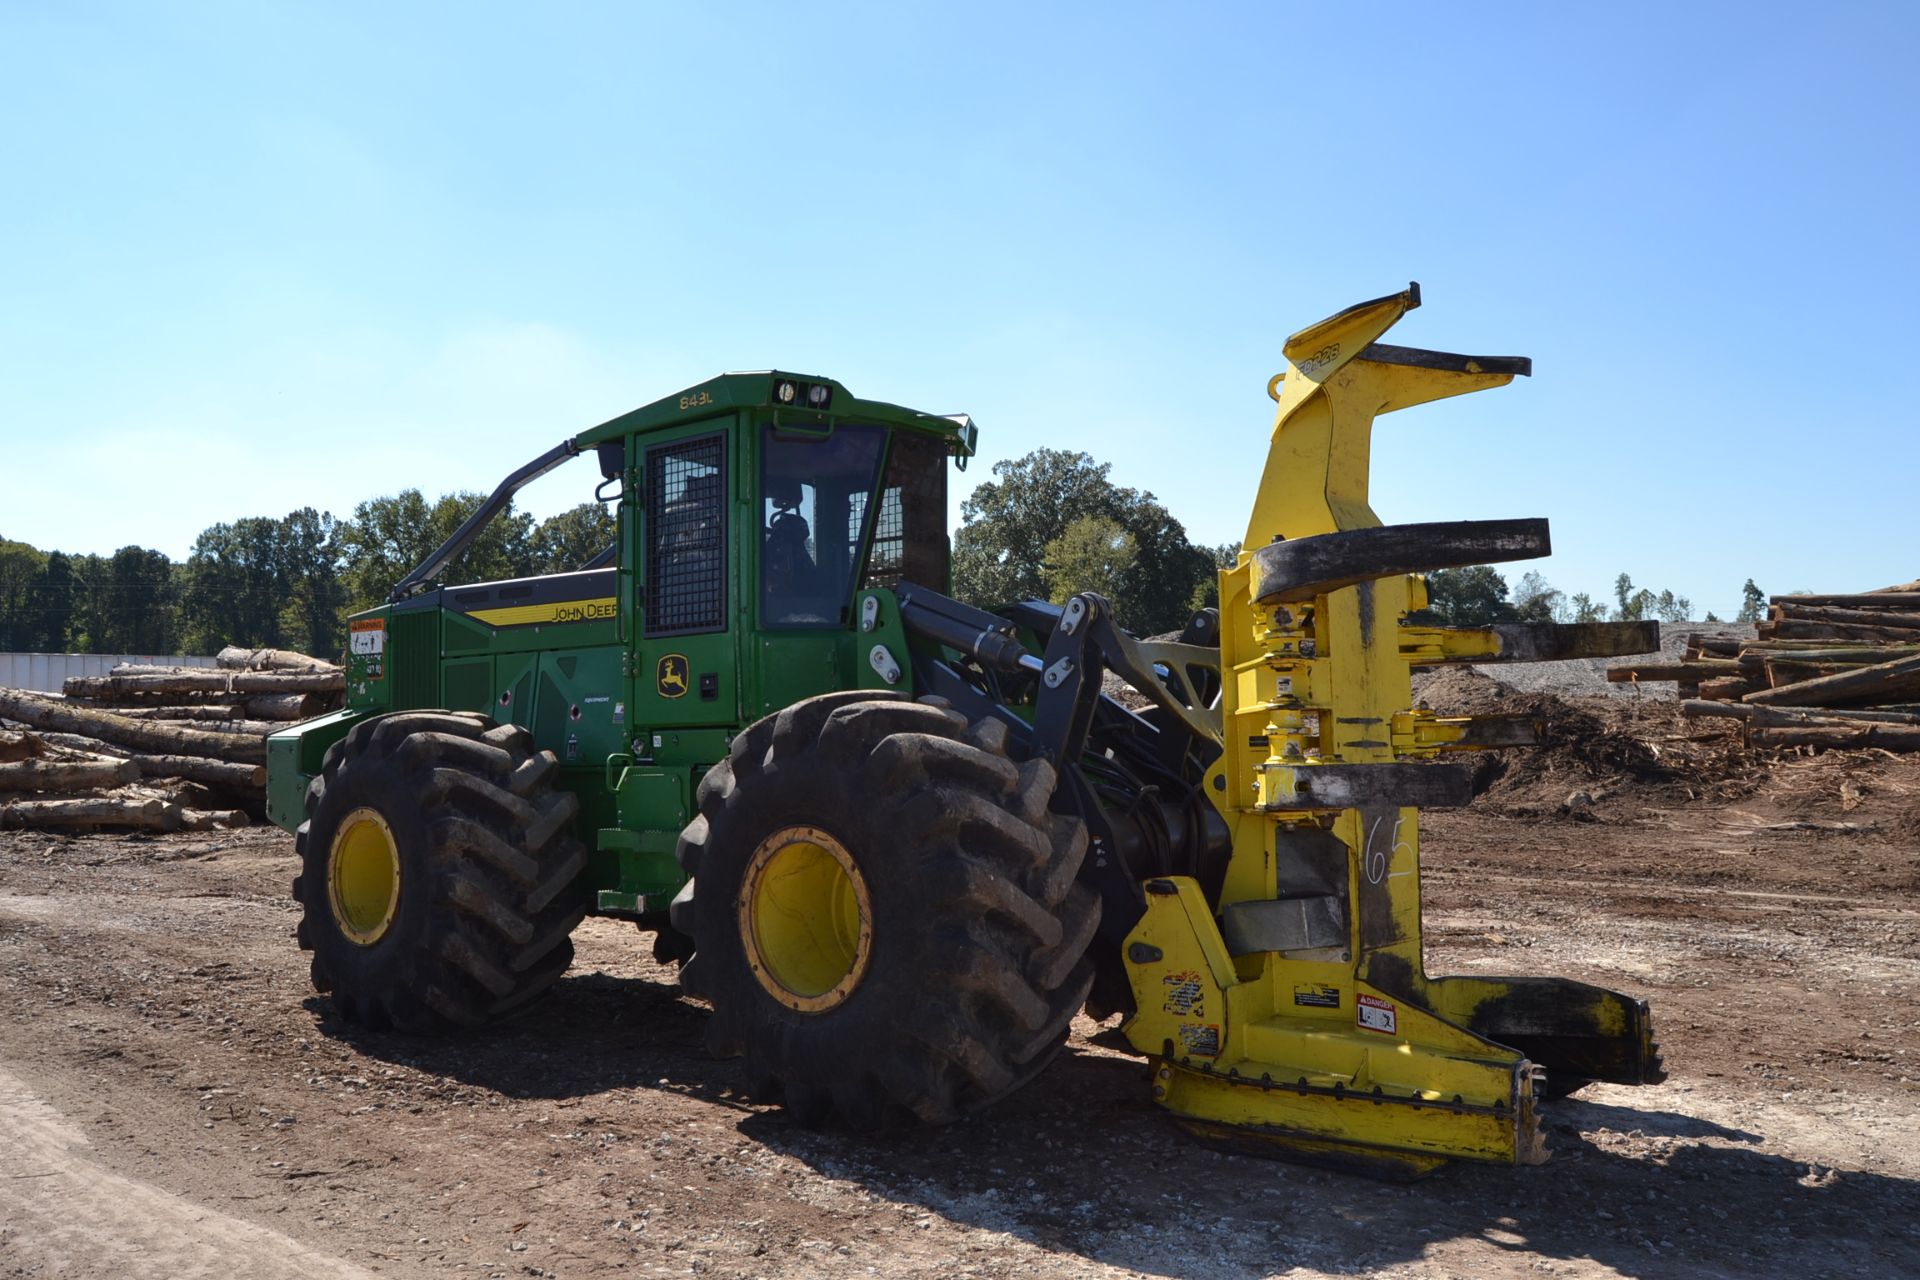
x=800, y=398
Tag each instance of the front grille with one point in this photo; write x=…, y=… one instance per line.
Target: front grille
x=413, y=658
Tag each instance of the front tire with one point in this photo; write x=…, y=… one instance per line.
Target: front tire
x=884, y=911
x=438, y=872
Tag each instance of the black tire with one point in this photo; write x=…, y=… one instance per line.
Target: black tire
x=978, y=930
x=486, y=896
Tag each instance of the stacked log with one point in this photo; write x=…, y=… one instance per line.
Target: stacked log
x=1821, y=671
x=156, y=748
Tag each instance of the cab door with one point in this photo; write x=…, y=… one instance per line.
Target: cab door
x=686, y=589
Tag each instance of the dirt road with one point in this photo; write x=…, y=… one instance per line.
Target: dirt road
x=175, y=1102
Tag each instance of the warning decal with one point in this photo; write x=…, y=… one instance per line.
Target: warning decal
x=1202, y=1039
x=1371, y=1013
x=1316, y=995
x=367, y=637
x=1184, y=995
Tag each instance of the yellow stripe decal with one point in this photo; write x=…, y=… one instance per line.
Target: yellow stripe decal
x=560, y=611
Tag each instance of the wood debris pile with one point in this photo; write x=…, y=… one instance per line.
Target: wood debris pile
x=1823, y=671
x=156, y=748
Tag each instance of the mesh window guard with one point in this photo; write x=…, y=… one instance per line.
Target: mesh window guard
x=686, y=537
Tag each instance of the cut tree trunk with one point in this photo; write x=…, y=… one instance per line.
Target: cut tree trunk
x=1867, y=617
x=1893, y=737
x=1887, y=682
x=1792, y=630
x=160, y=736
x=279, y=706
x=67, y=775
x=200, y=711
x=101, y=811
x=213, y=773
x=1790, y=717
x=1654, y=673
x=1728, y=688
x=207, y=682
x=235, y=658
x=212, y=819
x=1863, y=599
x=1858, y=655
x=1781, y=672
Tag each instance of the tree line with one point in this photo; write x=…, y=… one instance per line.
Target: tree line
x=1047, y=525
x=1478, y=595
x=285, y=583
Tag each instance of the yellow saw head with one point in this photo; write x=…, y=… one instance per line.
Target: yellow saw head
x=1293, y=1015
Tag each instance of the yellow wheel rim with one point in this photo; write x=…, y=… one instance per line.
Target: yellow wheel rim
x=363, y=876
x=806, y=919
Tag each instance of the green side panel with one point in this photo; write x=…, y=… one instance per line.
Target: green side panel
x=469, y=684
x=579, y=705
x=633, y=862
x=413, y=658
x=294, y=756
x=513, y=691
x=796, y=665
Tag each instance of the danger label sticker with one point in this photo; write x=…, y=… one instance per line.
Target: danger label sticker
x=1201, y=1039
x=1372, y=1013
x=1184, y=995
x=367, y=637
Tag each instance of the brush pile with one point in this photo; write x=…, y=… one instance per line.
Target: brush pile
x=156, y=748
x=1822, y=671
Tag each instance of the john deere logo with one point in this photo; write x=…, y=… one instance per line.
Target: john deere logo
x=671, y=675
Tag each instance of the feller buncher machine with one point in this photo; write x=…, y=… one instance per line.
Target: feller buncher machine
x=898, y=841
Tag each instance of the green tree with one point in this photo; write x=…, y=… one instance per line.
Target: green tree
x=388, y=537
x=1582, y=607
x=20, y=567
x=1206, y=593
x=1753, y=603
x=50, y=606
x=260, y=582
x=1093, y=554
x=1009, y=521
x=235, y=586
x=1671, y=608
x=1534, y=600
x=1469, y=597
x=563, y=543
x=127, y=602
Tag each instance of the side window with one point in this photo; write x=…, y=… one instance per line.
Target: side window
x=910, y=528
x=686, y=537
x=813, y=500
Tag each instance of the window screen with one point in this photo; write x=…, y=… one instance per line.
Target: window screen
x=910, y=527
x=687, y=537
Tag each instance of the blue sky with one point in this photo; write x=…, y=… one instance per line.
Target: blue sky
x=261, y=256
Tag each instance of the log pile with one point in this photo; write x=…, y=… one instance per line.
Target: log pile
x=1821, y=671
x=156, y=748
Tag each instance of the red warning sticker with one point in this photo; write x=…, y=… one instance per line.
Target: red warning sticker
x=1371, y=1013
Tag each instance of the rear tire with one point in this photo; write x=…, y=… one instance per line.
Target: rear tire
x=884, y=911
x=438, y=872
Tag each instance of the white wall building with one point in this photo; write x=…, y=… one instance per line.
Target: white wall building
x=47, y=672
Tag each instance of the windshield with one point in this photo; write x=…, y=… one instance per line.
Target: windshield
x=813, y=501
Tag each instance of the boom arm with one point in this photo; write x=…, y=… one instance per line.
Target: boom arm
x=470, y=528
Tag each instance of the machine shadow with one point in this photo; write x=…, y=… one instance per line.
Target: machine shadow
x=593, y=1032
x=1081, y=1164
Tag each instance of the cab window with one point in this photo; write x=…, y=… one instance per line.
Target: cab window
x=813, y=498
